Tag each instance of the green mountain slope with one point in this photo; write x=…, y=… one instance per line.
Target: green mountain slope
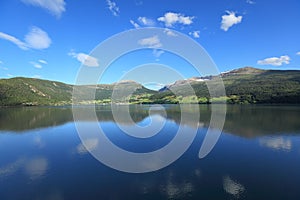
x=267, y=86
x=244, y=85
x=29, y=91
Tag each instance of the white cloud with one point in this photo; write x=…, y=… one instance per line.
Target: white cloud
x=37, y=39
x=298, y=53
x=169, y=32
x=229, y=20
x=142, y=21
x=3, y=68
x=275, y=61
x=195, y=34
x=112, y=6
x=36, y=76
x=55, y=7
x=138, y=3
x=85, y=59
x=43, y=62
x=157, y=53
x=36, y=65
x=277, y=143
x=146, y=21
x=170, y=19
x=151, y=42
x=136, y=25
x=250, y=2
x=14, y=40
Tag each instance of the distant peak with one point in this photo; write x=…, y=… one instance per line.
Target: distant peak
x=245, y=70
x=126, y=82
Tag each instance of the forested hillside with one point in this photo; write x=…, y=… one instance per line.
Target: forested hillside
x=243, y=86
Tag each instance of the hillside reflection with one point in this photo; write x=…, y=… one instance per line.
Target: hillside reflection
x=245, y=121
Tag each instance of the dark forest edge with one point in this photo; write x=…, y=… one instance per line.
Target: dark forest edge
x=243, y=86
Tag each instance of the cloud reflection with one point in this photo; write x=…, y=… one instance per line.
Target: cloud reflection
x=36, y=168
x=278, y=143
x=11, y=168
x=233, y=187
x=175, y=189
x=198, y=173
x=89, y=145
x=38, y=142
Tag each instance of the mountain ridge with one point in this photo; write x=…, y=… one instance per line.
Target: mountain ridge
x=243, y=85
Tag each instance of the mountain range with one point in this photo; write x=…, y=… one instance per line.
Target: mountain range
x=246, y=85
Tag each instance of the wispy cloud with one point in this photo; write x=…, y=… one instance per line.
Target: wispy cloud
x=250, y=2
x=36, y=76
x=170, y=19
x=142, y=21
x=1, y=67
x=275, y=61
x=85, y=59
x=112, y=6
x=134, y=24
x=55, y=7
x=14, y=40
x=170, y=32
x=138, y=2
x=298, y=53
x=158, y=53
x=195, y=34
x=146, y=21
x=43, y=62
x=38, y=64
x=230, y=19
x=150, y=42
x=36, y=38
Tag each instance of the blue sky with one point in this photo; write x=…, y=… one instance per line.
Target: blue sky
x=50, y=39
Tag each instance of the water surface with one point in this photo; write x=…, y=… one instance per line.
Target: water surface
x=256, y=157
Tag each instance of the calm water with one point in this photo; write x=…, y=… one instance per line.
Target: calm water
x=256, y=157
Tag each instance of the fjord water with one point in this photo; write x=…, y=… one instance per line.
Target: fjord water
x=256, y=157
